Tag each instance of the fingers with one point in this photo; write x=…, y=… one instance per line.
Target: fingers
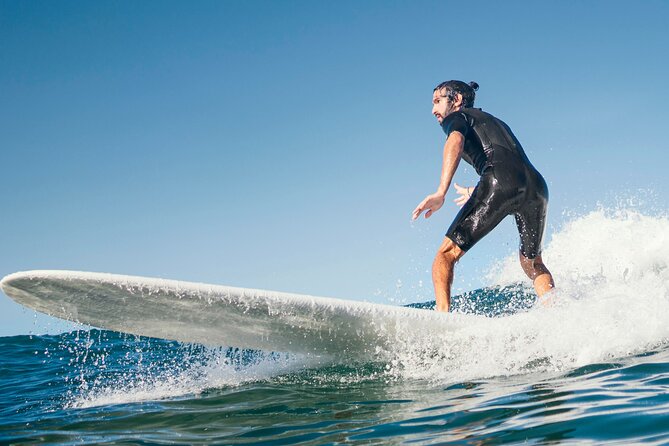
x=463, y=198
x=431, y=203
x=462, y=190
x=419, y=209
x=416, y=212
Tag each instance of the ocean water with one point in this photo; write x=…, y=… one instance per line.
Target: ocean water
x=592, y=368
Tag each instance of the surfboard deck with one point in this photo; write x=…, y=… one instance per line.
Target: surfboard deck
x=225, y=316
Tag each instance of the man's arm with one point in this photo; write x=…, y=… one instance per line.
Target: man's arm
x=453, y=147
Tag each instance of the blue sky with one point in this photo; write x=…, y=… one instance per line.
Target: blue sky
x=283, y=145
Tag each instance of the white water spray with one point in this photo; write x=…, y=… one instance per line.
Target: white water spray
x=612, y=275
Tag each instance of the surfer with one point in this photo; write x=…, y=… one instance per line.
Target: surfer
x=509, y=185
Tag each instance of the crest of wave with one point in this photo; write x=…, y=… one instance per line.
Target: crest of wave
x=611, y=269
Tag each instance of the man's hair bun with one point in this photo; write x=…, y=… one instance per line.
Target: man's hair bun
x=453, y=88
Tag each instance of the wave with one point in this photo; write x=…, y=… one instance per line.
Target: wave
x=612, y=300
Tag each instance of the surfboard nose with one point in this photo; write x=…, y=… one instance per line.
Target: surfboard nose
x=6, y=282
x=15, y=285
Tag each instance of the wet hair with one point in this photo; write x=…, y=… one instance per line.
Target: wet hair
x=452, y=88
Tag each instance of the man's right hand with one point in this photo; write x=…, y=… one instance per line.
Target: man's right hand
x=432, y=203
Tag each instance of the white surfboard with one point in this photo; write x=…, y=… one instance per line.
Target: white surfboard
x=226, y=316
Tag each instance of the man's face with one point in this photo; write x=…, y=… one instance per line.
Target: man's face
x=441, y=106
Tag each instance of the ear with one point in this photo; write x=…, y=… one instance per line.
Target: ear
x=458, y=100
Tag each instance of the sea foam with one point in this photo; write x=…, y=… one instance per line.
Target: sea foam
x=612, y=300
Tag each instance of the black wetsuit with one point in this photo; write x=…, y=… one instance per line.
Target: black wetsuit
x=509, y=183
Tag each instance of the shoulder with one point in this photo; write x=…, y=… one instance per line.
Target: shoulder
x=455, y=122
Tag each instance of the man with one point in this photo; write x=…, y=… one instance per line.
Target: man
x=509, y=185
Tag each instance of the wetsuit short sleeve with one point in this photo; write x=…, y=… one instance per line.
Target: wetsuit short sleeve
x=455, y=122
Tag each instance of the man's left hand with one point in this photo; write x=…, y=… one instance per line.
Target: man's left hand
x=464, y=194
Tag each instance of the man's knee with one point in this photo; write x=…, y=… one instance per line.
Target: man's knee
x=449, y=251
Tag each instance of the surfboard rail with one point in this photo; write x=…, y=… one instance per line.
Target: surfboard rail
x=222, y=315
